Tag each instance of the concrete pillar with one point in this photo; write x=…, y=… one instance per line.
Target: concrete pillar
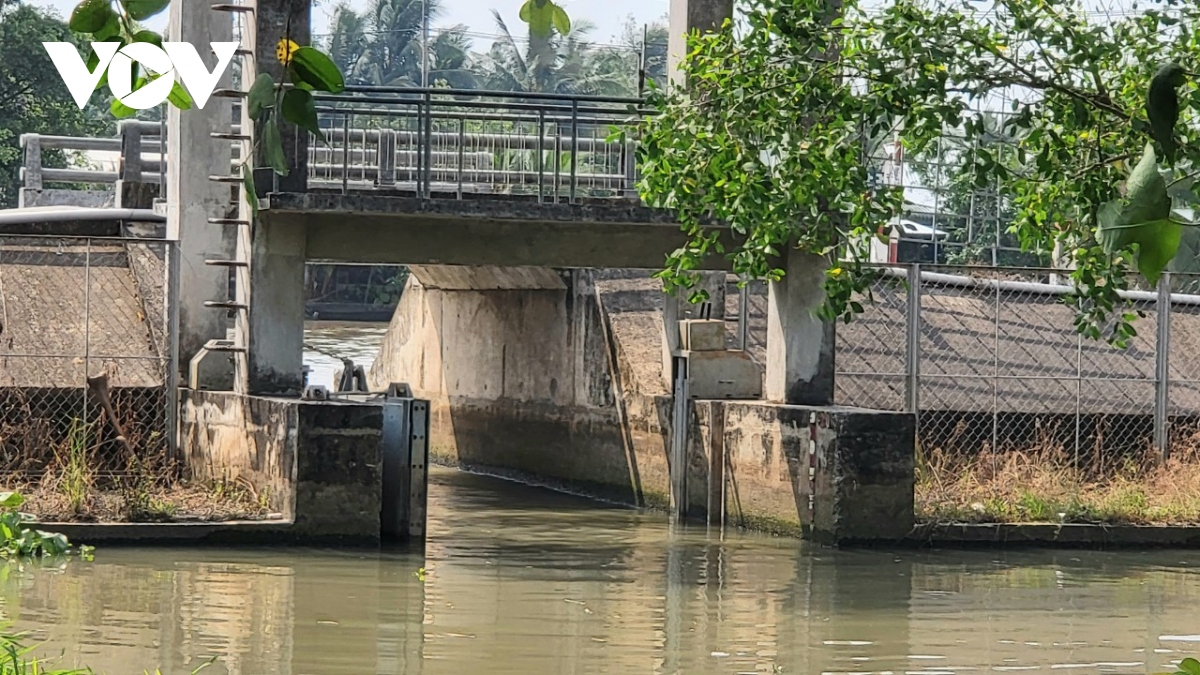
x=272, y=20
x=192, y=198
x=686, y=16
x=800, y=347
x=274, y=331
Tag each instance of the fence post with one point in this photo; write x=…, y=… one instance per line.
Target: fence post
x=912, y=349
x=171, y=379
x=1162, y=380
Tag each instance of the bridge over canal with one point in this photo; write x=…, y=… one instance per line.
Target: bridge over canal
x=510, y=209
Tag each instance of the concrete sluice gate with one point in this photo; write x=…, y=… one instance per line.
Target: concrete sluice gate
x=566, y=378
x=560, y=378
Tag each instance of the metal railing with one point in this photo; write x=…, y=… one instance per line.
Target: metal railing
x=441, y=142
x=74, y=309
x=989, y=359
x=432, y=142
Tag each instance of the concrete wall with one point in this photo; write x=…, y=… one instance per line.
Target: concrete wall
x=514, y=363
x=555, y=377
x=320, y=463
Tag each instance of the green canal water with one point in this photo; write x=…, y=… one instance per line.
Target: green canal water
x=524, y=581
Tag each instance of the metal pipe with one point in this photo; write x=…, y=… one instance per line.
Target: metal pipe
x=1162, y=369
x=1031, y=287
x=66, y=214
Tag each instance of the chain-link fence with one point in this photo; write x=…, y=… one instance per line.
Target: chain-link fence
x=991, y=361
x=84, y=356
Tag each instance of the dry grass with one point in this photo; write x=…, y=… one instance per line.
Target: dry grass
x=173, y=502
x=1049, y=484
x=72, y=471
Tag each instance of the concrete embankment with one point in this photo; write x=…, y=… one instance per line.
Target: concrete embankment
x=556, y=377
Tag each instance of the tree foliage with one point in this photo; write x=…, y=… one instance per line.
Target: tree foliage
x=32, y=98
x=777, y=123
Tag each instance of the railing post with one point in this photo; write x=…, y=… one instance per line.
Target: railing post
x=131, y=152
x=574, y=144
x=540, y=149
x=346, y=154
x=427, y=144
x=462, y=139
x=743, y=315
x=33, y=161
x=386, y=158
x=912, y=347
x=1162, y=384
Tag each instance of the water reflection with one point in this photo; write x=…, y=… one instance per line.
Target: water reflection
x=524, y=581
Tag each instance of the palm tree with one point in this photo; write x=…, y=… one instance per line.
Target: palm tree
x=550, y=63
x=383, y=45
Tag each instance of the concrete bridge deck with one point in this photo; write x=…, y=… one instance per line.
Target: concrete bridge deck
x=505, y=230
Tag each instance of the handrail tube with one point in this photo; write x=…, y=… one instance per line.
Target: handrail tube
x=1031, y=286
x=485, y=105
x=75, y=215
x=485, y=93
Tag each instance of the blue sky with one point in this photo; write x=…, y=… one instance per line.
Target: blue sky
x=608, y=15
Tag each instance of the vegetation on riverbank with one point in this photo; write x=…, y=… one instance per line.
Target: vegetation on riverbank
x=1048, y=484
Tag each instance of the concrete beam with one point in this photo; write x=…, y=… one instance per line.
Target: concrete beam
x=192, y=199
x=800, y=346
x=396, y=230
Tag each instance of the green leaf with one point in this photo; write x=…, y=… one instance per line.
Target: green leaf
x=120, y=110
x=562, y=23
x=1190, y=666
x=299, y=109
x=90, y=16
x=1143, y=220
x=141, y=10
x=317, y=70
x=273, y=145
x=11, y=500
x=111, y=29
x=180, y=98
x=251, y=190
x=148, y=36
x=261, y=96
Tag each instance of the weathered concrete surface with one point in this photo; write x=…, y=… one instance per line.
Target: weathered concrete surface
x=224, y=438
x=319, y=462
x=723, y=375
x=274, y=324
x=192, y=198
x=561, y=386
x=376, y=229
x=520, y=381
x=860, y=489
